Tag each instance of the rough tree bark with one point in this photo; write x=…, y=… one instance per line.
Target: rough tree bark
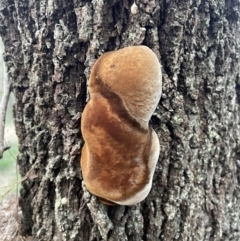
x=50, y=48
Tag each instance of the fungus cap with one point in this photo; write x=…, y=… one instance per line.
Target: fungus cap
x=121, y=150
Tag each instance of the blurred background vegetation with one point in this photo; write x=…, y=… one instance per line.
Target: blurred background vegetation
x=8, y=168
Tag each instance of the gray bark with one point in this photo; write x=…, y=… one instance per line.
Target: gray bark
x=50, y=47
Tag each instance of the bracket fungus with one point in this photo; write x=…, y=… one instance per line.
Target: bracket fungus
x=121, y=149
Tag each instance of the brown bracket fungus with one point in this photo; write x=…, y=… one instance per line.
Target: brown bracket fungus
x=121, y=149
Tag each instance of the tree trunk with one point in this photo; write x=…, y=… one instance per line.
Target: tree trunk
x=50, y=47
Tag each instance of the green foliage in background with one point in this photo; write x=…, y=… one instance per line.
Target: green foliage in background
x=9, y=158
x=8, y=175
